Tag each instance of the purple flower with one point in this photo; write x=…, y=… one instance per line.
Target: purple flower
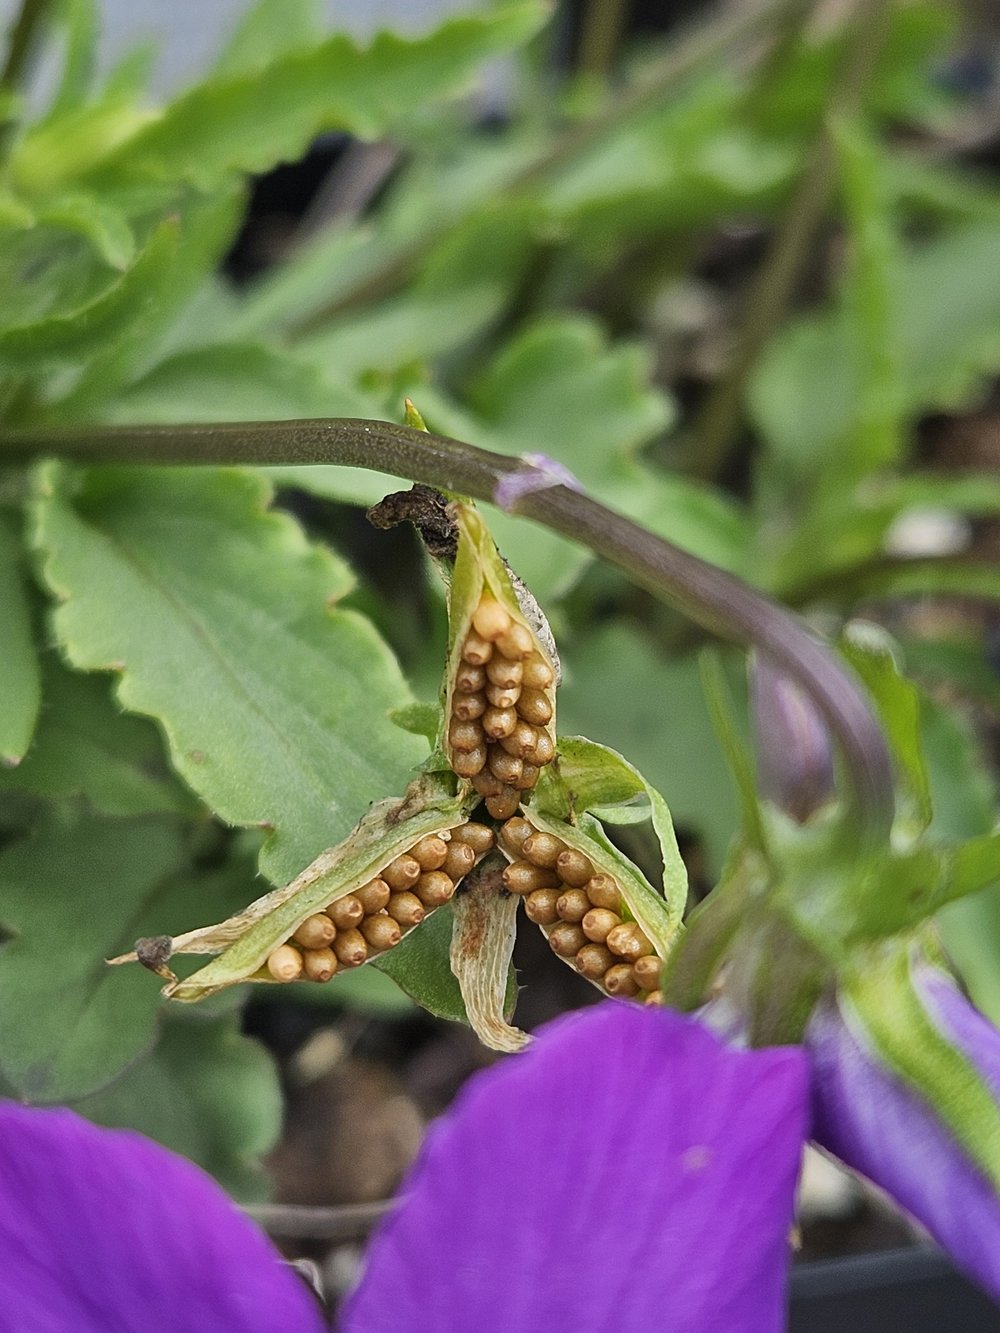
x=630, y=1170
x=882, y=1127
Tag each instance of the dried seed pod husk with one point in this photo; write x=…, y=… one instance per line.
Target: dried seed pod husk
x=482, y=942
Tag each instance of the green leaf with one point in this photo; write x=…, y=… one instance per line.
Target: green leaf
x=254, y=119
x=219, y=618
x=419, y=720
x=20, y=688
x=269, y=29
x=99, y=222
x=72, y=895
x=77, y=20
x=738, y=755
x=85, y=746
x=206, y=1091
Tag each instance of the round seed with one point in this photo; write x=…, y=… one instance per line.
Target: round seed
x=514, y=834
x=435, y=888
x=593, y=960
x=430, y=852
x=381, y=931
x=540, y=907
x=469, y=679
x=505, y=766
x=486, y=784
x=407, y=909
x=503, y=805
x=618, y=980
x=316, y=931
x=543, y=751
x=534, y=707
x=285, y=963
x=628, y=941
x=459, y=861
x=490, y=619
x=319, y=964
x=469, y=764
x=573, y=905
x=476, y=650
x=501, y=671
x=517, y=642
x=467, y=707
x=480, y=837
x=503, y=696
x=499, y=722
x=602, y=890
x=523, y=877
x=599, y=922
x=346, y=912
x=529, y=776
x=646, y=971
x=543, y=848
x=350, y=947
x=538, y=675
x=654, y=997
x=465, y=736
x=521, y=741
x=402, y=872
x=374, y=895
x=573, y=867
x=566, y=939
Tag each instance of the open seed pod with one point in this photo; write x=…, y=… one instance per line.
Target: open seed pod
x=594, y=907
x=355, y=902
x=499, y=705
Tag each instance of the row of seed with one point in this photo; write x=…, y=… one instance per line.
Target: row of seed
x=580, y=911
x=498, y=734
x=376, y=916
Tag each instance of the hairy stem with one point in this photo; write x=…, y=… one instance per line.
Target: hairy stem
x=715, y=599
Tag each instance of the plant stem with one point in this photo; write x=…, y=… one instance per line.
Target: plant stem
x=600, y=36
x=718, y=425
x=715, y=599
x=23, y=36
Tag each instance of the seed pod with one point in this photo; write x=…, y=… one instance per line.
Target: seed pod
x=346, y=912
x=407, y=909
x=316, y=932
x=480, y=837
x=598, y=923
x=523, y=877
x=319, y=964
x=501, y=671
x=573, y=905
x=350, y=948
x=467, y=707
x=401, y=872
x=435, y=887
x=542, y=849
x=618, y=980
x=372, y=896
x=430, y=852
x=285, y=963
x=573, y=868
x=646, y=971
x=593, y=960
x=566, y=939
x=381, y=931
x=540, y=907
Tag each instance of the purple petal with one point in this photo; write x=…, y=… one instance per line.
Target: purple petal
x=102, y=1231
x=627, y=1171
x=538, y=474
x=882, y=1128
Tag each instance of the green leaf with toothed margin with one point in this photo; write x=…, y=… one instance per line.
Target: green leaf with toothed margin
x=20, y=686
x=221, y=619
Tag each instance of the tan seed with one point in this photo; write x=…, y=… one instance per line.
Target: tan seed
x=480, y=837
x=486, y=784
x=285, y=963
x=540, y=907
x=654, y=997
x=566, y=939
x=501, y=671
x=467, y=707
x=435, y=888
x=618, y=980
x=503, y=696
x=316, y=932
x=521, y=741
x=459, y=861
x=529, y=776
x=381, y=931
x=350, y=948
x=499, y=722
x=573, y=905
x=407, y=909
x=505, y=766
x=402, y=872
x=490, y=619
x=538, y=675
x=430, y=851
x=543, y=751
x=469, y=764
x=646, y=971
x=374, y=895
x=599, y=922
x=534, y=707
x=602, y=890
x=573, y=867
x=593, y=960
x=465, y=736
x=346, y=912
x=628, y=941
x=476, y=650
x=469, y=679
x=505, y=804
x=543, y=848
x=319, y=964
x=514, y=834
x=517, y=642
x=523, y=877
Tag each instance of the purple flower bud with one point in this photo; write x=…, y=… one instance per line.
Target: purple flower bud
x=794, y=755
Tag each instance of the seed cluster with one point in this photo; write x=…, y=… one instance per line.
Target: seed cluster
x=376, y=916
x=498, y=732
x=580, y=912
